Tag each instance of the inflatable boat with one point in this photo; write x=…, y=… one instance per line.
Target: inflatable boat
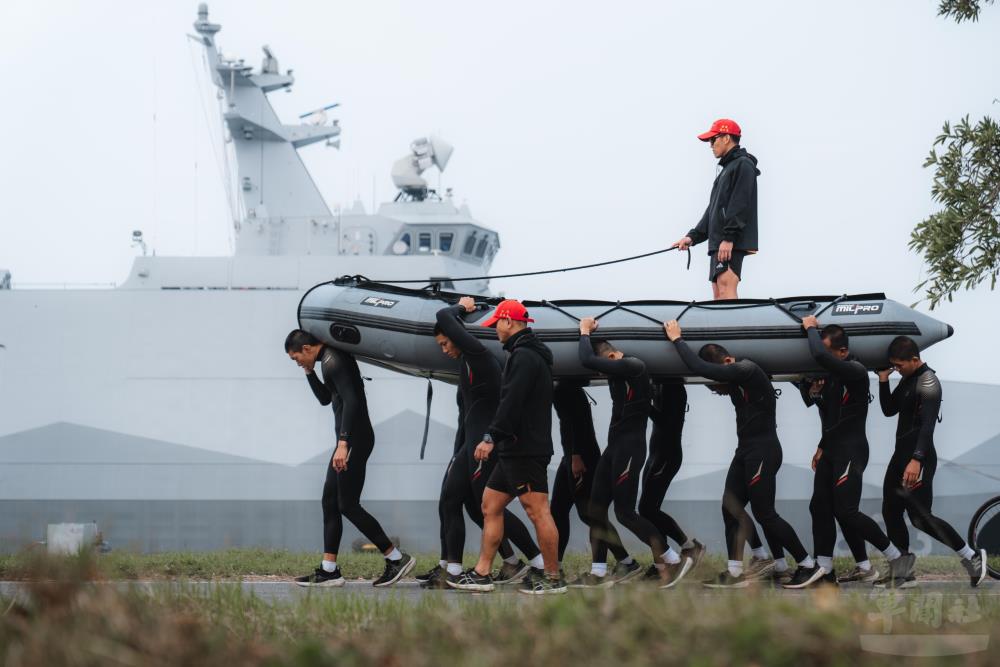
x=393, y=327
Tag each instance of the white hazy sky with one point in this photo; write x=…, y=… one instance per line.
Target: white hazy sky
x=573, y=123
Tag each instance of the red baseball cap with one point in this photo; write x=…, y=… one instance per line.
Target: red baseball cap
x=510, y=308
x=721, y=126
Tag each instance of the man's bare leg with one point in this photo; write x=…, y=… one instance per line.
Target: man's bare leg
x=494, y=504
x=725, y=285
x=536, y=505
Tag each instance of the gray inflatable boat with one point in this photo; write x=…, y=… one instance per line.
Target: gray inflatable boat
x=392, y=327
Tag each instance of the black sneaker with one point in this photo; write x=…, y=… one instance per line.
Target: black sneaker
x=726, y=580
x=511, y=573
x=859, y=575
x=623, y=572
x=439, y=581
x=470, y=580
x=805, y=577
x=976, y=567
x=695, y=553
x=432, y=573
x=900, y=573
x=395, y=570
x=759, y=568
x=321, y=579
x=543, y=585
x=591, y=580
x=674, y=572
x=651, y=575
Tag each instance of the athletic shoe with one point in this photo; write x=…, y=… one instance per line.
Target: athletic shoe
x=651, y=575
x=759, y=568
x=437, y=582
x=900, y=573
x=431, y=573
x=543, y=585
x=395, y=570
x=674, y=572
x=805, y=577
x=470, y=580
x=726, y=580
x=976, y=567
x=511, y=573
x=859, y=575
x=779, y=579
x=321, y=579
x=695, y=553
x=623, y=572
x=591, y=580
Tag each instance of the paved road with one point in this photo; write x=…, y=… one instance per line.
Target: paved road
x=280, y=591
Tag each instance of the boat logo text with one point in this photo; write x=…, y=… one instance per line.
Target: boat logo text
x=857, y=309
x=378, y=302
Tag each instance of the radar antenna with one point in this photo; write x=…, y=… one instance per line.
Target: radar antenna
x=424, y=153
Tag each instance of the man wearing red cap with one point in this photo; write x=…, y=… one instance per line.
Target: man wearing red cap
x=521, y=432
x=730, y=221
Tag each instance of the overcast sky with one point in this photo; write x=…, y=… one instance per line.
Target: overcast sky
x=574, y=126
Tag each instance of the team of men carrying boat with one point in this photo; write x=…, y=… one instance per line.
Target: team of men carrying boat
x=503, y=445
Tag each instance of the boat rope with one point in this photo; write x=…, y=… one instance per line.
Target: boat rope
x=540, y=273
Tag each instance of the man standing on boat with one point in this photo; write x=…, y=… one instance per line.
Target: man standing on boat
x=730, y=220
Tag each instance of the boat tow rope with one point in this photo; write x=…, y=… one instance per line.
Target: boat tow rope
x=544, y=272
x=427, y=417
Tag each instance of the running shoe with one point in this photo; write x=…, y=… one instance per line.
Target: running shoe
x=437, y=582
x=726, y=580
x=674, y=572
x=900, y=573
x=395, y=570
x=652, y=575
x=470, y=580
x=321, y=579
x=624, y=572
x=591, y=580
x=511, y=573
x=859, y=575
x=778, y=579
x=759, y=568
x=976, y=567
x=431, y=573
x=695, y=553
x=806, y=577
x=543, y=585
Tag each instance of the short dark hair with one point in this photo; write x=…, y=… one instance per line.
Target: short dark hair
x=903, y=347
x=713, y=353
x=438, y=331
x=297, y=339
x=836, y=335
x=602, y=346
x=735, y=138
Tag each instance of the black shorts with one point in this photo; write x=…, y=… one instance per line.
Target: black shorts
x=520, y=474
x=717, y=268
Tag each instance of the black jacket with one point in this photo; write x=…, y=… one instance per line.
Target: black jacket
x=522, y=425
x=732, y=208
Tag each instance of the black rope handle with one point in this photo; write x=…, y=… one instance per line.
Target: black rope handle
x=544, y=272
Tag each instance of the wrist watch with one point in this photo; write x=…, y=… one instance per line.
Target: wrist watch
x=488, y=438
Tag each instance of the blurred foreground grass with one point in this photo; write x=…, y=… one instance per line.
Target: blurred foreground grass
x=276, y=563
x=58, y=619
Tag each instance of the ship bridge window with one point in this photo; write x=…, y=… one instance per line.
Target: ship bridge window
x=481, y=248
x=445, y=240
x=424, y=242
x=470, y=244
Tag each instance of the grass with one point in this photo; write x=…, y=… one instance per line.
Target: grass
x=236, y=564
x=62, y=621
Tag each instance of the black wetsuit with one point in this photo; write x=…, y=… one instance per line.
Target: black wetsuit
x=753, y=472
x=917, y=401
x=465, y=477
x=667, y=409
x=619, y=469
x=343, y=387
x=576, y=431
x=843, y=408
